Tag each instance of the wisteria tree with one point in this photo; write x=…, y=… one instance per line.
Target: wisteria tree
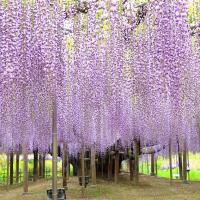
x=121, y=71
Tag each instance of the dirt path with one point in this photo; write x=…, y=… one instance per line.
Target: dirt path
x=150, y=188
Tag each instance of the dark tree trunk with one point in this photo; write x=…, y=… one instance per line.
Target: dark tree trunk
x=35, y=165
x=180, y=162
x=184, y=164
x=75, y=167
x=116, y=167
x=17, y=167
x=40, y=166
x=11, y=168
x=110, y=163
x=152, y=165
x=43, y=166
x=25, y=174
x=64, y=157
x=131, y=168
x=136, y=170
x=131, y=163
x=93, y=166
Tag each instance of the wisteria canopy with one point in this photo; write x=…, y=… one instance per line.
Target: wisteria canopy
x=114, y=75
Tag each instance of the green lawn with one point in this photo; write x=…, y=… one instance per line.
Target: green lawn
x=48, y=167
x=194, y=174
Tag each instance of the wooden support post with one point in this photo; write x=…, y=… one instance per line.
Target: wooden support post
x=184, y=164
x=131, y=163
x=8, y=166
x=55, y=151
x=116, y=166
x=102, y=167
x=64, y=157
x=180, y=162
x=25, y=170
x=83, y=171
x=131, y=168
x=152, y=165
x=93, y=166
x=43, y=166
x=17, y=167
x=11, y=168
x=137, y=151
x=40, y=166
x=75, y=167
x=109, y=167
x=170, y=161
x=35, y=165
x=68, y=167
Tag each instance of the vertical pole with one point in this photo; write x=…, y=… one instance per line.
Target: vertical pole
x=137, y=151
x=188, y=166
x=83, y=171
x=43, y=166
x=55, y=152
x=131, y=168
x=68, y=166
x=170, y=161
x=8, y=165
x=17, y=167
x=25, y=169
x=184, y=163
x=109, y=166
x=11, y=168
x=131, y=163
x=180, y=162
x=116, y=166
x=93, y=166
x=40, y=166
x=64, y=157
x=35, y=165
x=102, y=167
x=152, y=165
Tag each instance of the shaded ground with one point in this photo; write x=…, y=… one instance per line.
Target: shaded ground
x=150, y=188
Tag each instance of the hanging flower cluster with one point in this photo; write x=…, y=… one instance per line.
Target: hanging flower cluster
x=32, y=72
x=117, y=75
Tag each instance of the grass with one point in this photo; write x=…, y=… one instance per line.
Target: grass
x=149, y=188
x=194, y=174
x=48, y=167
